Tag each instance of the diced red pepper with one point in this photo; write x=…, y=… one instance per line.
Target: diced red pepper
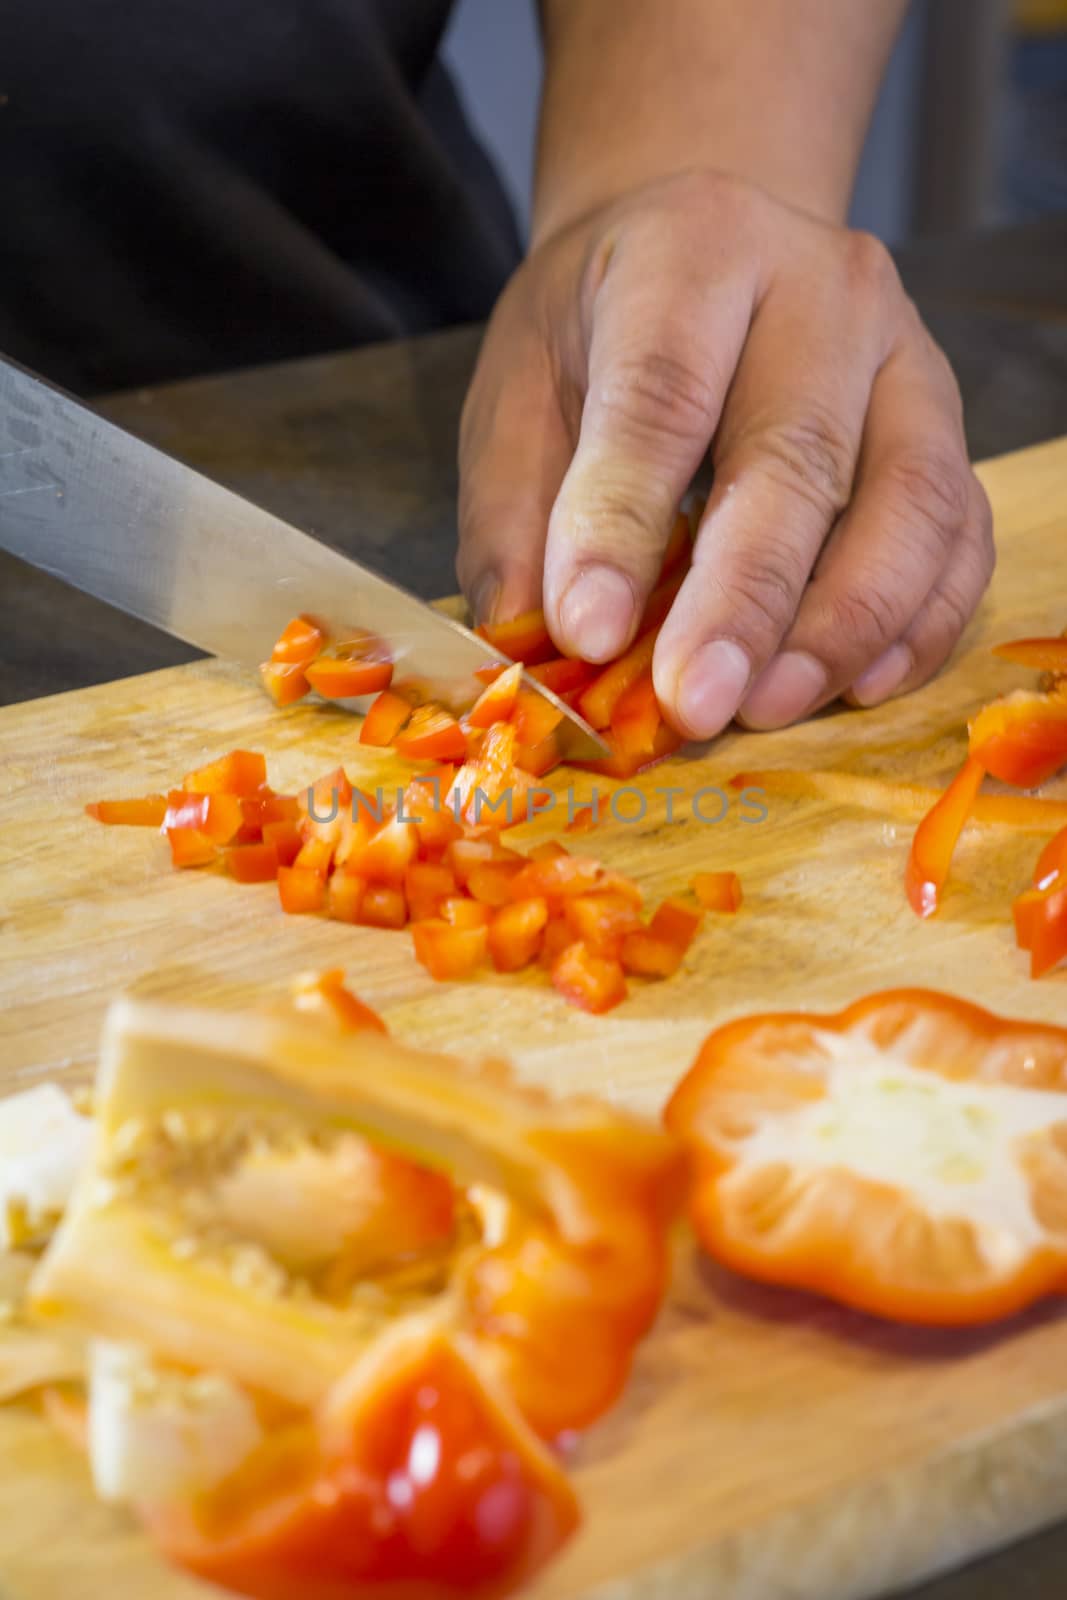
x=315, y=855
x=326, y=991
x=146, y=812
x=432, y=735
x=586, y=818
x=563, y=675
x=548, y=850
x=676, y=923
x=601, y=921
x=242, y=772
x=556, y=878
x=286, y=840
x=218, y=817
x=285, y=682
x=188, y=848
x=386, y=716
x=299, y=642
x=344, y=895
x=251, y=863
x=622, y=765
x=588, y=981
x=426, y=808
x=600, y=699
x=646, y=956
x=389, y=852
x=449, y=953
x=463, y=913
x=515, y=934
x=558, y=936
x=497, y=702
x=525, y=638
x=301, y=890
x=539, y=759
x=534, y=718
x=383, y=907
x=718, y=891
x=326, y=807
x=490, y=881
x=426, y=885
x=636, y=719
x=347, y=678
x=934, y=844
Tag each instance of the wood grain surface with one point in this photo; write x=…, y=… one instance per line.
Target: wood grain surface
x=769, y=1446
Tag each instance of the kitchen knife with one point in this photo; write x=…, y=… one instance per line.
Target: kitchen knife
x=96, y=506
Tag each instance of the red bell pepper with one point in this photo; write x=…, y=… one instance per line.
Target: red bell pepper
x=1022, y=739
x=251, y=863
x=591, y=982
x=285, y=682
x=515, y=934
x=936, y=837
x=432, y=735
x=903, y=1156
x=397, y=1447
x=525, y=638
x=299, y=642
x=447, y=952
x=387, y=714
x=348, y=678
x=146, y=812
x=1043, y=655
x=718, y=891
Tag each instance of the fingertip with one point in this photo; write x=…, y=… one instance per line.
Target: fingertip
x=597, y=614
x=708, y=689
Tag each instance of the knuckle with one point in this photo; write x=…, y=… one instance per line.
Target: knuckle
x=619, y=524
x=762, y=591
x=657, y=395
x=813, y=457
x=929, y=487
x=859, y=618
x=869, y=266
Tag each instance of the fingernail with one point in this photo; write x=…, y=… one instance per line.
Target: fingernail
x=597, y=613
x=887, y=675
x=485, y=597
x=792, y=684
x=710, y=688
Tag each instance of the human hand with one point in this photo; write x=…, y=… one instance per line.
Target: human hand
x=846, y=541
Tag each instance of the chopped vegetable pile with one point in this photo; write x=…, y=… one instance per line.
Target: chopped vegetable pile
x=316, y=1303
x=470, y=901
x=618, y=699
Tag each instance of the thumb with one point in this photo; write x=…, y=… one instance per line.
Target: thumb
x=514, y=450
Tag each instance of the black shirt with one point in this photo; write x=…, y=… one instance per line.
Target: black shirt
x=192, y=185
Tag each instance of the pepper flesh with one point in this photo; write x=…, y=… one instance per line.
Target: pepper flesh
x=529, y=1332
x=904, y=1156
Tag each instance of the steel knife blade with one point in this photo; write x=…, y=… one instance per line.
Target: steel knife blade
x=94, y=505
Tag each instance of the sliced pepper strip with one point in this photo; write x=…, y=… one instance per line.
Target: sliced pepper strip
x=1027, y=812
x=904, y=1156
x=1022, y=738
x=1044, y=655
x=936, y=837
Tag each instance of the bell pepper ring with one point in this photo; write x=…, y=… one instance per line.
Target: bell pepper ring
x=903, y=1156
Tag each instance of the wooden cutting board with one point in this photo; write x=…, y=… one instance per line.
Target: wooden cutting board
x=769, y=1446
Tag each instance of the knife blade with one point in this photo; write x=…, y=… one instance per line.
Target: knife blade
x=88, y=502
